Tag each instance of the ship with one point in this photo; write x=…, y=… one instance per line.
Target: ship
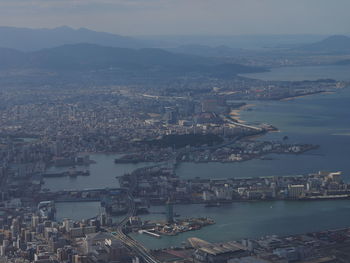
x=70, y=173
x=74, y=173
x=213, y=204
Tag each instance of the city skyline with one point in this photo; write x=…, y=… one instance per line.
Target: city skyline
x=174, y=131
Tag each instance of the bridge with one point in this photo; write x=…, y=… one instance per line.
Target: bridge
x=135, y=246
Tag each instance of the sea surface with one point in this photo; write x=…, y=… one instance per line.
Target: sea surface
x=77, y=210
x=322, y=119
x=341, y=73
x=102, y=174
x=254, y=219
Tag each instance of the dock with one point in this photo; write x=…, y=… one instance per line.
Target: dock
x=150, y=233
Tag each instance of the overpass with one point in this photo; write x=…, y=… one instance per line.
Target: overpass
x=132, y=244
x=240, y=124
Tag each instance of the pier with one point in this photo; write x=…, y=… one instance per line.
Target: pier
x=150, y=233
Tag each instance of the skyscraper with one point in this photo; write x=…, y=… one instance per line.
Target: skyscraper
x=169, y=212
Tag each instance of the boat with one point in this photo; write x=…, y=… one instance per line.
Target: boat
x=213, y=204
x=78, y=173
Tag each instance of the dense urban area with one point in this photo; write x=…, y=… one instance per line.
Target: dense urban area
x=161, y=118
x=61, y=127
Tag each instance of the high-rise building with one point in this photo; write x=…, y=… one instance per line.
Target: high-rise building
x=169, y=212
x=35, y=221
x=15, y=227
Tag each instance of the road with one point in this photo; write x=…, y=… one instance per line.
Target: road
x=3, y=182
x=137, y=247
x=239, y=124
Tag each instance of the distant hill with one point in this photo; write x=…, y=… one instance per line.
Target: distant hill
x=90, y=57
x=334, y=44
x=344, y=62
x=207, y=51
x=11, y=58
x=26, y=39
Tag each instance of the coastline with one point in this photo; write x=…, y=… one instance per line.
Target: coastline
x=341, y=134
x=222, y=203
x=305, y=95
x=237, y=112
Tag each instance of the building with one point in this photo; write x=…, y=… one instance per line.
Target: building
x=104, y=247
x=81, y=231
x=169, y=212
x=295, y=191
x=219, y=253
x=206, y=252
x=216, y=105
x=247, y=260
x=94, y=240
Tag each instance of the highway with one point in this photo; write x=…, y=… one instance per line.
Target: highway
x=239, y=124
x=137, y=247
x=3, y=182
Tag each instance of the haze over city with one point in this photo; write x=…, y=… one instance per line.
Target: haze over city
x=174, y=131
x=182, y=17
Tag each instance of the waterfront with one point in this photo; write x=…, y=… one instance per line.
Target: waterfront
x=321, y=119
x=235, y=221
x=102, y=174
x=254, y=219
x=69, y=210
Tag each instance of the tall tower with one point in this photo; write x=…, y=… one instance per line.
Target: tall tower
x=169, y=212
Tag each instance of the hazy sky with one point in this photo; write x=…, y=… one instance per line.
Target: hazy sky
x=159, y=17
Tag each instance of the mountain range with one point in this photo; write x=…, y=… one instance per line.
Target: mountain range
x=333, y=45
x=91, y=57
x=207, y=51
x=26, y=39
x=337, y=44
x=65, y=49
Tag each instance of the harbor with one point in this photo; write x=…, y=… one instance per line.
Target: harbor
x=162, y=228
x=70, y=173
